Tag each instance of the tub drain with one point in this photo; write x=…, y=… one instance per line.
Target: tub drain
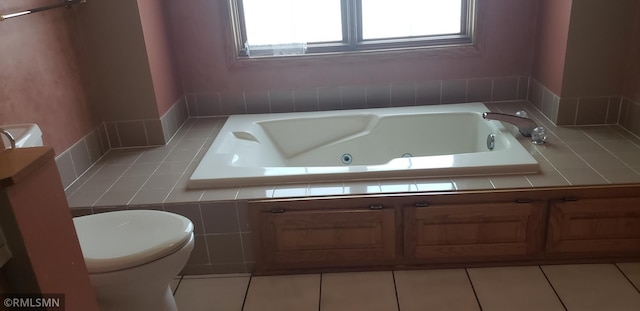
x=346, y=158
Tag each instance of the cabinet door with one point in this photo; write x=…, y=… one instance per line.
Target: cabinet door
x=607, y=226
x=327, y=238
x=472, y=232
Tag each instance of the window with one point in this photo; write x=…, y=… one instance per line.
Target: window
x=292, y=27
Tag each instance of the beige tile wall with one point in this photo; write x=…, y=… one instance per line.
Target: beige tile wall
x=491, y=89
x=575, y=110
x=151, y=132
x=630, y=115
x=75, y=161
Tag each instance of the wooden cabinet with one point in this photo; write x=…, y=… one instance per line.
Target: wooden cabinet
x=472, y=232
x=603, y=227
x=522, y=226
x=336, y=237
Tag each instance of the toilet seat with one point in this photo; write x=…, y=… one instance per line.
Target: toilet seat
x=124, y=239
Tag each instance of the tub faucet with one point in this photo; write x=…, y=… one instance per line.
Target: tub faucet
x=524, y=125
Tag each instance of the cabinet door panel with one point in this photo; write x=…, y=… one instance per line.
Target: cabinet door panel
x=504, y=230
x=472, y=231
x=329, y=238
x=595, y=226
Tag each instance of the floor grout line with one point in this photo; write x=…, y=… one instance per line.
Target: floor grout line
x=320, y=293
x=475, y=294
x=553, y=288
x=395, y=287
x=626, y=277
x=246, y=292
x=181, y=278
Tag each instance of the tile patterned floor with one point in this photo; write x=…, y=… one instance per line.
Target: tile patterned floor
x=597, y=287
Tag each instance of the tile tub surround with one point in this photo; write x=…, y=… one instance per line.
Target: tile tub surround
x=155, y=178
x=599, y=110
x=75, y=161
x=630, y=115
x=401, y=94
x=152, y=132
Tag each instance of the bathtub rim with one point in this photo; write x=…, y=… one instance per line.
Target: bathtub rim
x=526, y=165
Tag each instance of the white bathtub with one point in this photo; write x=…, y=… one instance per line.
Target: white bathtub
x=387, y=143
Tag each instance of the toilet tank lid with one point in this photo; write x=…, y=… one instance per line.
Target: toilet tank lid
x=120, y=240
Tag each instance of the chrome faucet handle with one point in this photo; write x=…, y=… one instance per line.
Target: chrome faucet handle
x=10, y=137
x=539, y=135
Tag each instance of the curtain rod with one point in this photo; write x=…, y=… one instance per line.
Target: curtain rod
x=65, y=3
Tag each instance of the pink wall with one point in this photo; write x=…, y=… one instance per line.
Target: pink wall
x=582, y=46
x=114, y=39
x=42, y=75
x=200, y=43
x=165, y=78
x=598, y=47
x=554, y=17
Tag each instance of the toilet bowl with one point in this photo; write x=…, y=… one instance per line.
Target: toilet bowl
x=132, y=256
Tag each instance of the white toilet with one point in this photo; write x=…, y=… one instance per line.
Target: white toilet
x=133, y=255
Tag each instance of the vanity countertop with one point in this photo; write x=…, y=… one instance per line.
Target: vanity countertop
x=17, y=163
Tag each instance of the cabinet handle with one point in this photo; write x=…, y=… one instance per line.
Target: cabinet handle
x=569, y=199
x=277, y=211
x=422, y=204
x=523, y=201
x=376, y=207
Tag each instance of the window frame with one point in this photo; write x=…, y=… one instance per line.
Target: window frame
x=352, y=35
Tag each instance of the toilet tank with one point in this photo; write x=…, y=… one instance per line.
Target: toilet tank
x=26, y=135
